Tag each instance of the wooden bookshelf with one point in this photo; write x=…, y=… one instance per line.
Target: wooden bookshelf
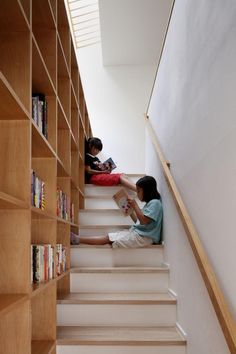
x=37, y=57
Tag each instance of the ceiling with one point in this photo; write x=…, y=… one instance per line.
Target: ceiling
x=132, y=31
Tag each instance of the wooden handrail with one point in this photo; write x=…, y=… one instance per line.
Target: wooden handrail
x=225, y=318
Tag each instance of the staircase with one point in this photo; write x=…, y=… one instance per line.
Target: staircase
x=119, y=301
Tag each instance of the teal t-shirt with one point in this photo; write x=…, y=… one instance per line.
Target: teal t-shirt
x=154, y=211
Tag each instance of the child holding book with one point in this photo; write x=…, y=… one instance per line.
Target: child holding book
x=99, y=174
x=148, y=221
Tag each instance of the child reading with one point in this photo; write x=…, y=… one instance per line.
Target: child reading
x=94, y=169
x=148, y=221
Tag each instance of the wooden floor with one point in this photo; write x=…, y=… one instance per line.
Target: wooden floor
x=119, y=336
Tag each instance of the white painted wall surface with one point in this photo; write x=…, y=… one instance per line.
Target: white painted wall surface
x=117, y=98
x=193, y=110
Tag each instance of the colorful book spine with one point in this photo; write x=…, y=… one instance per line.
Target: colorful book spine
x=39, y=112
x=42, y=260
x=63, y=205
x=61, y=265
x=37, y=192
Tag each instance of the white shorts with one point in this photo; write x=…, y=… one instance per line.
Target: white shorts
x=128, y=239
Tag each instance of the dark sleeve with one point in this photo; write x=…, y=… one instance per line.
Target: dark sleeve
x=90, y=161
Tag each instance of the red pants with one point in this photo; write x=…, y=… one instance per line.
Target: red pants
x=106, y=179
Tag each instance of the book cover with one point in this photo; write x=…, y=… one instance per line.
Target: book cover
x=109, y=164
x=121, y=200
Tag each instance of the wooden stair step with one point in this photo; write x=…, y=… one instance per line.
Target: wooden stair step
x=83, y=245
x=117, y=298
x=104, y=335
x=116, y=270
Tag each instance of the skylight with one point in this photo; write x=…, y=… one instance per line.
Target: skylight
x=85, y=24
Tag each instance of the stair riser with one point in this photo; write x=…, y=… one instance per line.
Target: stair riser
x=94, y=349
x=96, y=190
x=101, y=231
x=96, y=257
x=110, y=282
x=116, y=315
x=105, y=203
x=104, y=218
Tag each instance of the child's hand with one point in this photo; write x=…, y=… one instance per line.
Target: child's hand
x=107, y=172
x=131, y=202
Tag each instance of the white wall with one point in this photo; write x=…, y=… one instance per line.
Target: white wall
x=193, y=111
x=117, y=98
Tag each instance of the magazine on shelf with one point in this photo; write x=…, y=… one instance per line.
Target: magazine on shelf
x=121, y=199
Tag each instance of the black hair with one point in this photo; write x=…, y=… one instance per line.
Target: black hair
x=93, y=142
x=149, y=187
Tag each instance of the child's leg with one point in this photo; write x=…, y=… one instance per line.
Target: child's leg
x=98, y=240
x=126, y=182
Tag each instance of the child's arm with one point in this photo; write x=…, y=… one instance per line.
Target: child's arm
x=142, y=218
x=90, y=171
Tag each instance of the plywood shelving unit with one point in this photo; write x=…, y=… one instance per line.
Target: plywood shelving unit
x=37, y=56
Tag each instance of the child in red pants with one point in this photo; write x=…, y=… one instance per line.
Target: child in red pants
x=94, y=172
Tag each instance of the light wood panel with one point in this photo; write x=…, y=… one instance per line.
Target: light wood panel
x=36, y=51
x=15, y=153
x=15, y=247
x=43, y=346
x=15, y=330
x=44, y=314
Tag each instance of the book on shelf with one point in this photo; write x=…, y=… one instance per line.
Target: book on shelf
x=61, y=265
x=37, y=191
x=121, y=199
x=72, y=213
x=63, y=205
x=39, y=112
x=109, y=164
x=42, y=263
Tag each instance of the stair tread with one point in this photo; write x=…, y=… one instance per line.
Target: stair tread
x=97, y=210
x=104, y=226
x=116, y=298
x=119, y=269
x=83, y=245
x=119, y=335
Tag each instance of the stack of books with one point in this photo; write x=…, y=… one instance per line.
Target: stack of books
x=37, y=191
x=63, y=205
x=60, y=259
x=42, y=263
x=39, y=112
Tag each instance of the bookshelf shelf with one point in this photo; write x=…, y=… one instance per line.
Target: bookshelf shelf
x=61, y=169
x=37, y=288
x=10, y=301
x=63, y=275
x=43, y=124
x=62, y=119
x=42, y=15
x=26, y=9
x=9, y=202
x=40, y=145
x=74, y=73
x=63, y=29
x=41, y=214
x=41, y=80
x=43, y=346
x=74, y=145
x=11, y=105
x=44, y=29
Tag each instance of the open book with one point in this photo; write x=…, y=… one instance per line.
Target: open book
x=109, y=164
x=121, y=200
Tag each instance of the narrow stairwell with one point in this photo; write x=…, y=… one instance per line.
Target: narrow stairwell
x=119, y=301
